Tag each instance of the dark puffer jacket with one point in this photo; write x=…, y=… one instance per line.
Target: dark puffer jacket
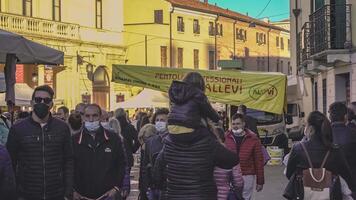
x=189, y=105
x=187, y=165
x=43, y=158
x=132, y=144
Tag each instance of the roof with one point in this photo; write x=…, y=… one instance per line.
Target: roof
x=213, y=9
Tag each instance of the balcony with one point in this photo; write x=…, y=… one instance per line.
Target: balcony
x=40, y=27
x=328, y=29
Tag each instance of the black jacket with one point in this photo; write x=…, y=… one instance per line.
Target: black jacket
x=130, y=136
x=7, y=177
x=346, y=138
x=336, y=163
x=251, y=123
x=189, y=105
x=153, y=147
x=42, y=158
x=99, y=165
x=187, y=163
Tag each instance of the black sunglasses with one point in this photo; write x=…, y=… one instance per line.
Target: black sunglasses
x=45, y=100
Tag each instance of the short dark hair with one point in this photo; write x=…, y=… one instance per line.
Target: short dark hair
x=95, y=106
x=337, y=111
x=65, y=109
x=243, y=108
x=159, y=111
x=238, y=116
x=75, y=121
x=44, y=88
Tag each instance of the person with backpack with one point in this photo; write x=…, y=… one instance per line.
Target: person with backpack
x=316, y=165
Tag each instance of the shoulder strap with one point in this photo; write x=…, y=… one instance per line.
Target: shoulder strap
x=307, y=154
x=325, y=159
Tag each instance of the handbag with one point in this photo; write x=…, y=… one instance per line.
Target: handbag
x=294, y=189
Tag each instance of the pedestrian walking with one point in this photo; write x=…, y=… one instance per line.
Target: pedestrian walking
x=191, y=151
x=153, y=147
x=229, y=182
x=248, y=146
x=146, y=132
x=343, y=135
x=7, y=177
x=75, y=123
x=251, y=122
x=99, y=159
x=318, y=151
x=114, y=125
x=63, y=113
x=41, y=152
x=129, y=133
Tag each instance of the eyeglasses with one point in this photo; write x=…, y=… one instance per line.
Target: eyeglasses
x=45, y=100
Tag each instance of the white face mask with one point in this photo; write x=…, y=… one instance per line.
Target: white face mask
x=161, y=126
x=105, y=125
x=92, y=126
x=237, y=131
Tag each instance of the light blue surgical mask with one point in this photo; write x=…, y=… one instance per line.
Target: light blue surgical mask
x=161, y=127
x=92, y=126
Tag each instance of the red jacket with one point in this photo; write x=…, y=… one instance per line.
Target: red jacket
x=251, y=157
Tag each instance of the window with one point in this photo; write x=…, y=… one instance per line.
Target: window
x=211, y=28
x=219, y=30
x=56, y=10
x=277, y=41
x=158, y=16
x=27, y=8
x=324, y=96
x=288, y=44
x=211, y=60
x=260, y=38
x=163, y=56
x=282, y=43
x=241, y=34
x=196, y=26
x=180, y=57
x=180, y=24
x=99, y=14
x=196, y=58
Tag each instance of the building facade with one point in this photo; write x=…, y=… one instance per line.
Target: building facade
x=196, y=34
x=90, y=35
x=323, y=50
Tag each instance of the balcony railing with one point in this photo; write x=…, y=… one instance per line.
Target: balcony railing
x=329, y=28
x=42, y=27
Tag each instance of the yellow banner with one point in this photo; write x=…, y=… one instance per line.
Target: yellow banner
x=260, y=91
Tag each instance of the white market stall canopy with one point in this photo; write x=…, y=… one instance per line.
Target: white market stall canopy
x=147, y=98
x=23, y=95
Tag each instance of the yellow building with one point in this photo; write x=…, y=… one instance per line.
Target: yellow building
x=88, y=30
x=187, y=33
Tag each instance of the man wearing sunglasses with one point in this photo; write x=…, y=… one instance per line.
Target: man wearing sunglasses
x=41, y=152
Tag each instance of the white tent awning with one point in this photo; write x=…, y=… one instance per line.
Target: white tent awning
x=147, y=98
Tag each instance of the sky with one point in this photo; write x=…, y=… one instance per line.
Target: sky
x=277, y=9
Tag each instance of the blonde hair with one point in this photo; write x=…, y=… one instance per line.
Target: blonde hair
x=146, y=131
x=115, y=125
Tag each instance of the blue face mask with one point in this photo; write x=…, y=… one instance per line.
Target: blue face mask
x=92, y=126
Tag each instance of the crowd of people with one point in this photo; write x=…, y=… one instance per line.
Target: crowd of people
x=186, y=151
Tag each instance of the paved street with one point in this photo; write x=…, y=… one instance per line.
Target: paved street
x=273, y=189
